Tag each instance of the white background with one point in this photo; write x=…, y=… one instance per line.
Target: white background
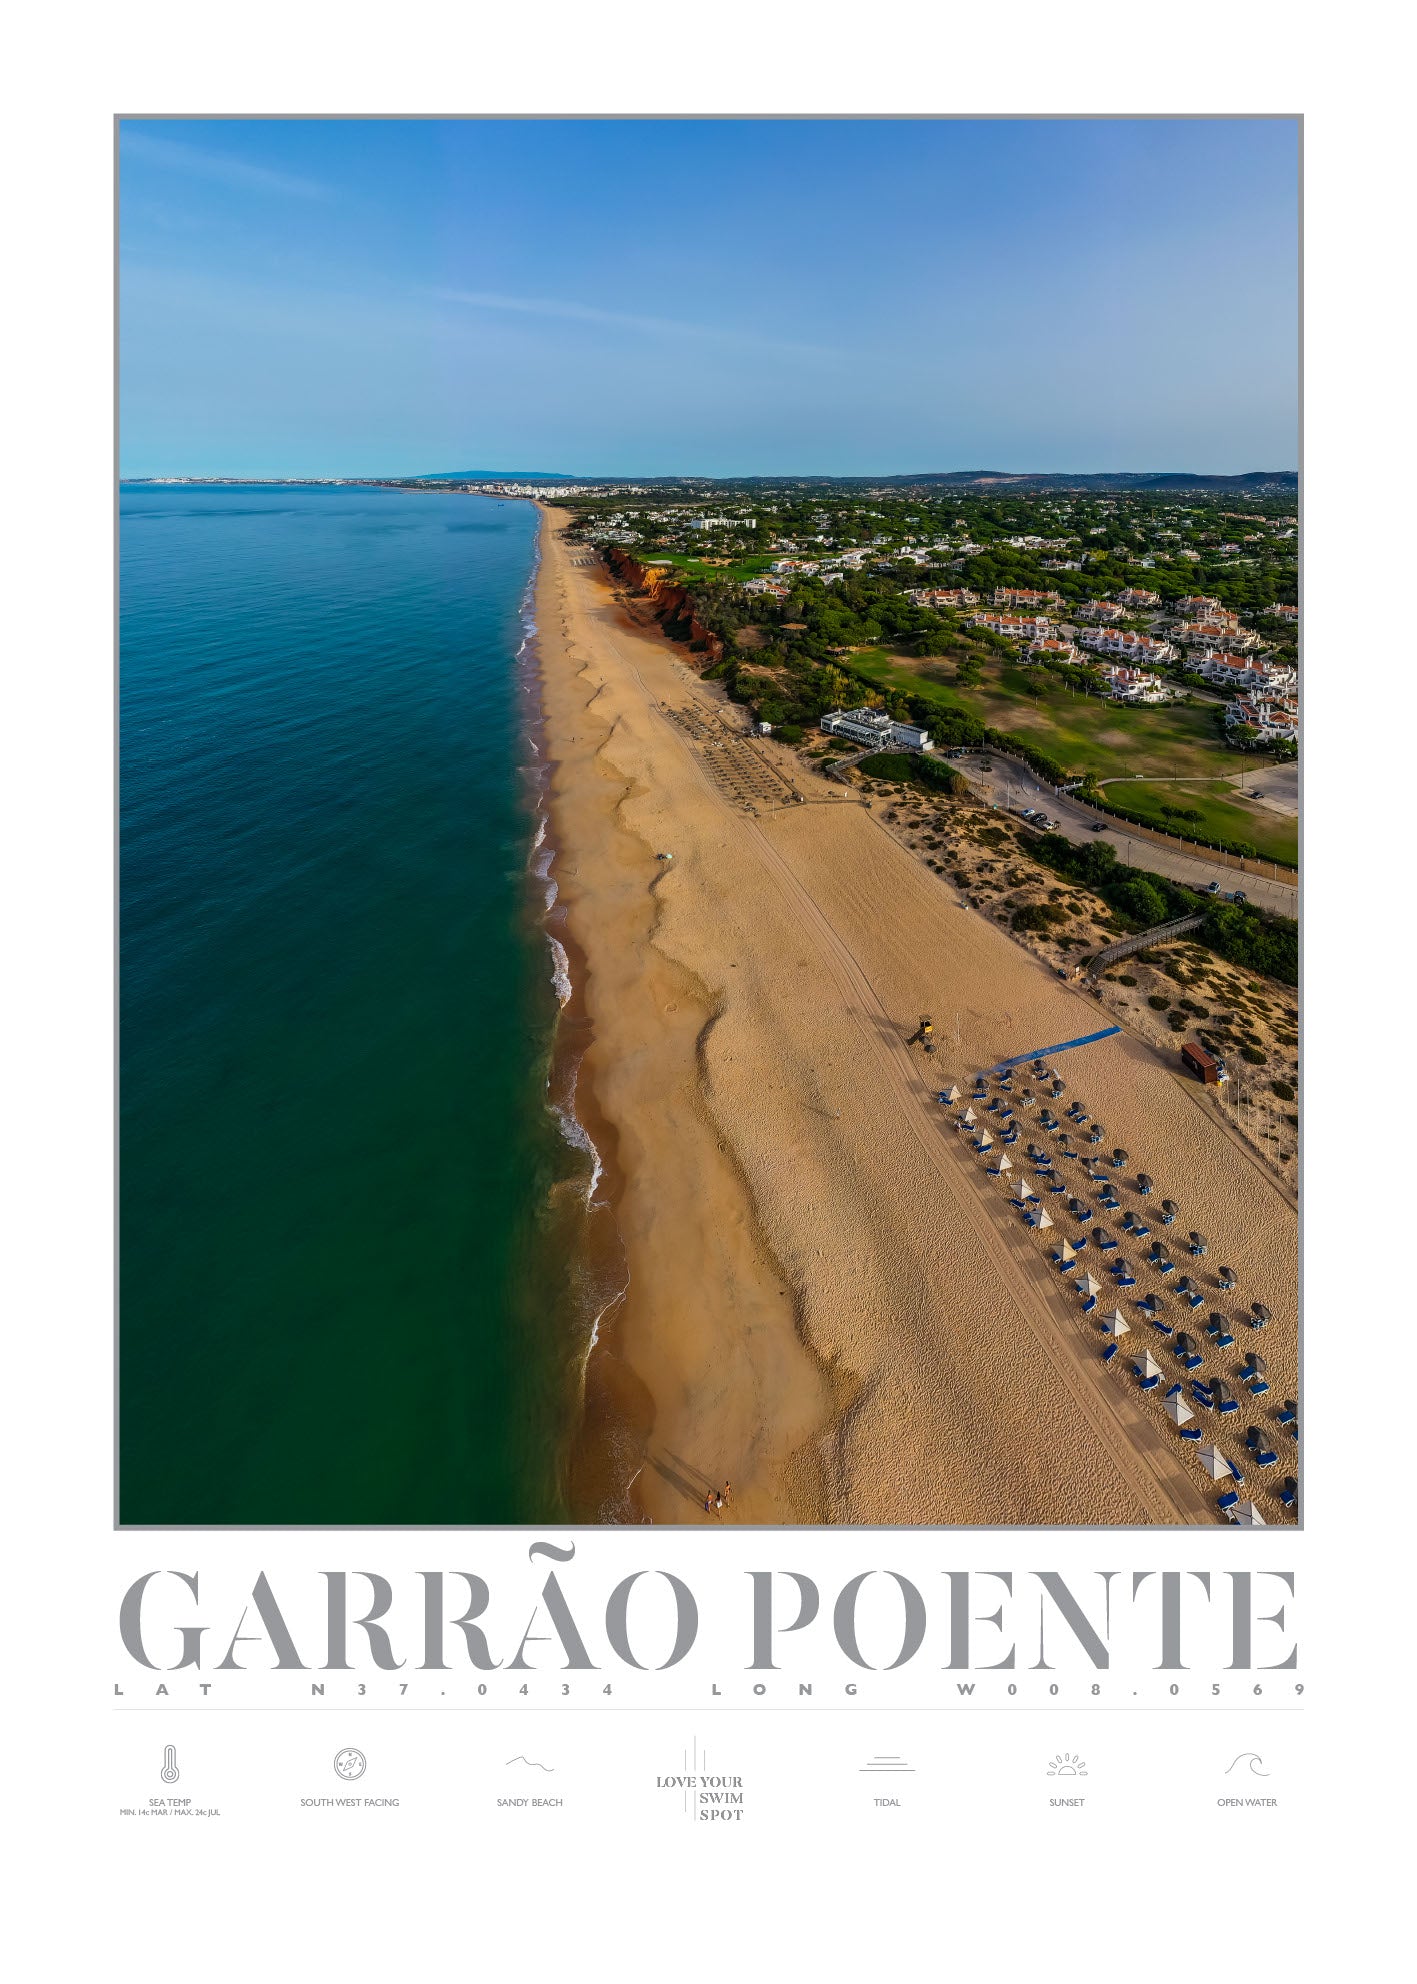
x=973, y=1871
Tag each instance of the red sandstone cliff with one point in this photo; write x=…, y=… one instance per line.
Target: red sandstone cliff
x=668, y=597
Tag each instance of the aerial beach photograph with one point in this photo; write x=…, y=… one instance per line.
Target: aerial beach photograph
x=688, y=954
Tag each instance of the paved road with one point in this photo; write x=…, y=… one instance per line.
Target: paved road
x=1010, y=783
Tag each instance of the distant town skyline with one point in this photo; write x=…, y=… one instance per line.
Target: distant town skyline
x=652, y=297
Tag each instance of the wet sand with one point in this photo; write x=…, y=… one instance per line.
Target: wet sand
x=830, y=1302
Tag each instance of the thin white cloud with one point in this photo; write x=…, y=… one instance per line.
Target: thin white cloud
x=196, y=162
x=624, y=320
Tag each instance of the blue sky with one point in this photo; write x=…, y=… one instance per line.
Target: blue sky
x=714, y=297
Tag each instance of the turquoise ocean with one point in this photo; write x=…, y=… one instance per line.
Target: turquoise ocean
x=353, y=1284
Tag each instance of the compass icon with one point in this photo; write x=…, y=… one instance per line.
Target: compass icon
x=349, y=1764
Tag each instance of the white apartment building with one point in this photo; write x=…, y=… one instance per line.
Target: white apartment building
x=1017, y=626
x=1020, y=596
x=1272, y=718
x=948, y=596
x=1135, y=685
x=1117, y=640
x=1208, y=633
x=1239, y=671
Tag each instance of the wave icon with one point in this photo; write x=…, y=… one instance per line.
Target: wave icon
x=1253, y=1759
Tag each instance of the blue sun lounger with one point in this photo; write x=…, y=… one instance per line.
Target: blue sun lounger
x=1228, y=1500
x=1089, y=1305
x=1258, y=1387
x=1190, y=1432
x=1147, y=1384
x=1286, y=1416
x=1266, y=1457
x=1289, y=1494
x=1109, y=1352
x=1228, y=1405
x=1193, y=1360
x=1126, y=1281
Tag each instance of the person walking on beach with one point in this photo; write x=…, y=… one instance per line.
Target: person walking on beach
x=725, y=1495
x=709, y=1503
x=718, y=1499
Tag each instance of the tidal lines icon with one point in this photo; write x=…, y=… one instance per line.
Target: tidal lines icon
x=888, y=1764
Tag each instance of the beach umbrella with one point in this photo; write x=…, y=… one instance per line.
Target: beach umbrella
x=1122, y=1267
x=1214, y=1462
x=1221, y=1392
x=969, y=1119
x=1259, y=1315
x=1151, y=1303
x=1144, y=1184
x=951, y=1094
x=1255, y=1364
x=1025, y=1190
x=1226, y=1277
x=1248, y=1516
x=1043, y=1219
x=1185, y=1342
x=1147, y=1366
x=1170, y=1208
x=1058, y=1087
x=1090, y=1286
x=1199, y=1243
x=1119, y=1158
x=1178, y=1411
x=1006, y=1164
x=1067, y=1253
x=1116, y=1324
x=985, y=1141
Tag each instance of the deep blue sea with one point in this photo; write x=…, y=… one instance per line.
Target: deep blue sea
x=349, y=1290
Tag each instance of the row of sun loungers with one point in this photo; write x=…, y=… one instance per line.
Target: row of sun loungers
x=1214, y=1395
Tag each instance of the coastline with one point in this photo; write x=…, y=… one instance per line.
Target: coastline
x=826, y=1303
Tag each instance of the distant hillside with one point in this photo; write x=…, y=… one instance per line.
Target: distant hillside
x=498, y=475
x=987, y=478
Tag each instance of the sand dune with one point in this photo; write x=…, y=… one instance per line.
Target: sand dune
x=831, y=1303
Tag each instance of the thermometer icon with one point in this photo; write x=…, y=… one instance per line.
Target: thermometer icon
x=170, y=1772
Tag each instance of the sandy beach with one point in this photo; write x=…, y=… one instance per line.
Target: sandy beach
x=831, y=1303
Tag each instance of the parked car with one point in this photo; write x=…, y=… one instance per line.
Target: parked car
x=1212, y=888
x=1240, y=896
x=1098, y=827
